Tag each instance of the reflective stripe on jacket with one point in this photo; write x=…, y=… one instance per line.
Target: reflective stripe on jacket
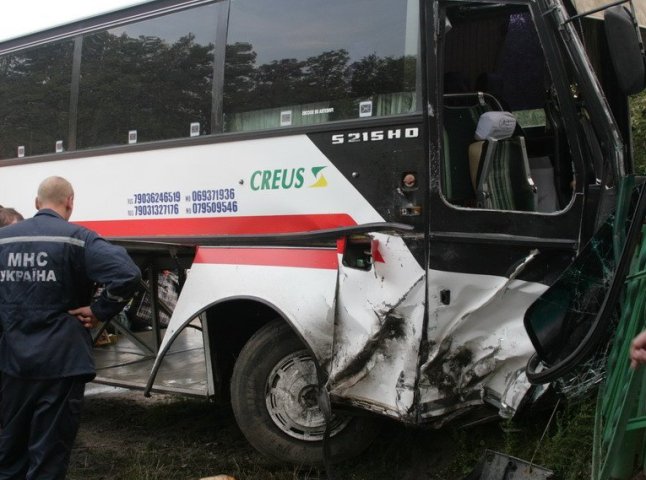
x=47, y=267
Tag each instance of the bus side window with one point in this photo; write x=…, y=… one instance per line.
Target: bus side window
x=277, y=75
x=35, y=99
x=154, y=77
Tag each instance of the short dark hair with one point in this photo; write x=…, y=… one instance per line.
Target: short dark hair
x=9, y=216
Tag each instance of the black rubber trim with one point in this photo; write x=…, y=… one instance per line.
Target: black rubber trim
x=220, y=137
x=504, y=239
x=300, y=238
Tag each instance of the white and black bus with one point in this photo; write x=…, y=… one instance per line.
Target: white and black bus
x=361, y=198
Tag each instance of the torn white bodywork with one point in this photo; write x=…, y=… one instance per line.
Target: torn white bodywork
x=477, y=344
x=367, y=327
x=379, y=324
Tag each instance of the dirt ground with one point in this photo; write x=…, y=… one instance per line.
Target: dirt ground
x=124, y=435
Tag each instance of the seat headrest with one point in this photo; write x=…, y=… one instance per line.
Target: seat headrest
x=496, y=125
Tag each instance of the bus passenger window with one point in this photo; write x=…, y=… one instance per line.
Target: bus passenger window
x=502, y=69
x=154, y=76
x=324, y=61
x=35, y=99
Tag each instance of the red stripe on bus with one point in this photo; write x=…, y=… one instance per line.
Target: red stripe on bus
x=273, y=257
x=249, y=225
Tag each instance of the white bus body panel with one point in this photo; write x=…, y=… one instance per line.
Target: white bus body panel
x=304, y=296
x=365, y=327
x=106, y=185
x=343, y=314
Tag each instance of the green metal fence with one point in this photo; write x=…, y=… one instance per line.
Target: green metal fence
x=620, y=425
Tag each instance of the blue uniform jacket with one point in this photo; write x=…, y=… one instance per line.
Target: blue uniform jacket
x=47, y=267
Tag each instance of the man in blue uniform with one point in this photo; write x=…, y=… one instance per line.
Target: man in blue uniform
x=48, y=270
x=9, y=216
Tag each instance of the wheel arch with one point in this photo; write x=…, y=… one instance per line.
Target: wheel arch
x=227, y=336
x=228, y=294
x=231, y=323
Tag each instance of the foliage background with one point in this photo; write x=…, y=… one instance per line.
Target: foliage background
x=638, y=113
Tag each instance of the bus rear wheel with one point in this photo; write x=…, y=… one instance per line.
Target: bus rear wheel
x=274, y=391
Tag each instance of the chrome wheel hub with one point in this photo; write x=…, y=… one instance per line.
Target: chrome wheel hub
x=291, y=398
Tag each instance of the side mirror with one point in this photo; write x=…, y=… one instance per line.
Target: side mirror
x=626, y=52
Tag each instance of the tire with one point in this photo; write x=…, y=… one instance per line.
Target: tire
x=273, y=396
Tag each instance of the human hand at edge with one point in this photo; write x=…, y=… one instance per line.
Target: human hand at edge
x=85, y=316
x=638, y=350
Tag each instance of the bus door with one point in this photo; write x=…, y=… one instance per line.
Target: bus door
x=506, y=198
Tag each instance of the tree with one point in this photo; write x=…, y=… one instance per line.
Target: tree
x=145, y=84
x=325, y=76
x=239, y=79
x=34, y=98
x=638, y=115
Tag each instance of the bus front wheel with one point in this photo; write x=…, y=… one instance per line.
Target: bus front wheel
x=274, y=391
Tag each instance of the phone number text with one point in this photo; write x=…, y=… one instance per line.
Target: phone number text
x=213, y=195
x=159, y=209
x=214, y=207
x=156, y=197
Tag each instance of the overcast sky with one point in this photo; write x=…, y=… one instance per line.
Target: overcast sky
x=27, y=16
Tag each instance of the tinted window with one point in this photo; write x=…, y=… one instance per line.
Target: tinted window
x=35, y=99
x=154, y=77
x=299, y=62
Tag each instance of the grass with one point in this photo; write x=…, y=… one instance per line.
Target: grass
x=567, y=445
x=176, y=438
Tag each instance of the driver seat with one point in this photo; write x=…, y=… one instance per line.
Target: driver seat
x=499, y=166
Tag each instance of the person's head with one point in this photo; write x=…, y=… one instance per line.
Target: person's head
x=57, y=194
x=9, y=216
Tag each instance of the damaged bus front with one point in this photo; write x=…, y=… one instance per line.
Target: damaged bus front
x=480, y=205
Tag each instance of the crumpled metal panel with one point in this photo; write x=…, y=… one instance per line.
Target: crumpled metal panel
x=378, y=331
x=478, y=346
x=366, y=328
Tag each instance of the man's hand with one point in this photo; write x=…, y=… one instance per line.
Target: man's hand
x=638, y=350
x=85, y=316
